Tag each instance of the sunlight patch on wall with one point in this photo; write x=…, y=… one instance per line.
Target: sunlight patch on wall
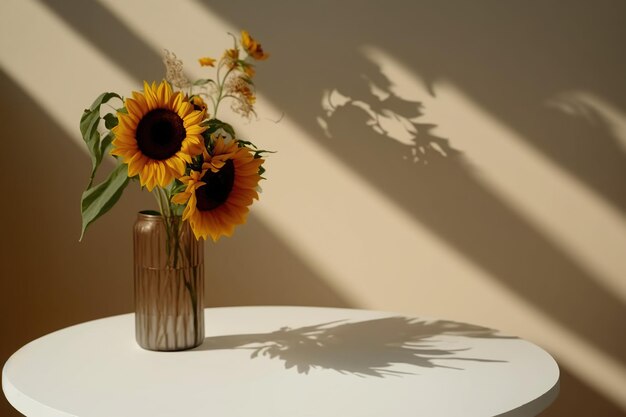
x=65, y=77
x=573, y=216
x=189, y=31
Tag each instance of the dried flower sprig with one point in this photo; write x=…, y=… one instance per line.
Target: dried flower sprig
x=234, y=77
x=174, y=71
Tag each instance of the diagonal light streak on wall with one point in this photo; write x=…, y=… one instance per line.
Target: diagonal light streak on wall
x=65, y=75
x=574, y=217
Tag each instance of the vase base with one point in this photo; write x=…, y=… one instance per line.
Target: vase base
x=168, y=334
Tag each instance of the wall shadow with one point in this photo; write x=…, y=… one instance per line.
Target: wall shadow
x=576, y=398
x=487, y=51
x=249, y=272
x=364, y=348
x=50, y=281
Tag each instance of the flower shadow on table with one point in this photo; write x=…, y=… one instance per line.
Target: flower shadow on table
x=364, y=348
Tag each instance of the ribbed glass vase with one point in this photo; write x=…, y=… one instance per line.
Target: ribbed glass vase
x=169, y=283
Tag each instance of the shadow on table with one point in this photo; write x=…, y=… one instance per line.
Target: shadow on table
x=365, y=348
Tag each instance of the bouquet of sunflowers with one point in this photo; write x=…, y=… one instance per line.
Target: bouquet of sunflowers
x=168, y=139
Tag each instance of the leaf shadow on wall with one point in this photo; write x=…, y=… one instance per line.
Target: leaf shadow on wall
x=364, y=348
x=509, y=72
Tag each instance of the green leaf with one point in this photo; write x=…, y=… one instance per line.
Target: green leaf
x=259, y=153
x=242, y=143
x=99, y=199
x=105, y=144
x=89, y=129
x=89, y=123
x=110, y=121
x=216, y=124
x=176, y=187
x=178, y=209
x=202, y=81
x=103, y=98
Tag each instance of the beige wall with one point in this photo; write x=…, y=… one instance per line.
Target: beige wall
x=464, y=160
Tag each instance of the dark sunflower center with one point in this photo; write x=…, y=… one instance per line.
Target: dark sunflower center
x=160, y=134
x=217, y=189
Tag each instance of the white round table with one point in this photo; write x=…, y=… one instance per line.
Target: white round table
x=285, y=361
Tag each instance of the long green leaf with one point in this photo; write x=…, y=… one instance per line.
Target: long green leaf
x=89, y=123
x=201, y=81
x=103, y=98
x=105, y=143
x=89, y=129
x=99, y=199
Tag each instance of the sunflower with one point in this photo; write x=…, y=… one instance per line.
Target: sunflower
x=159, y=132
x=218, y=197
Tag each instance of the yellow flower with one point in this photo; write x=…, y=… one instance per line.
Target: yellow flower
x=218, y=198
x=159, y=133
x=252, y=47
x=207, y=62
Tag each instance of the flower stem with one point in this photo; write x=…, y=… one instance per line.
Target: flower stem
x=220, y=86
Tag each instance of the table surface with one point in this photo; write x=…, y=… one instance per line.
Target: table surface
x=285, y=361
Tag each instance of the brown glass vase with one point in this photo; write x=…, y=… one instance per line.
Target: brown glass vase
x=169, y=283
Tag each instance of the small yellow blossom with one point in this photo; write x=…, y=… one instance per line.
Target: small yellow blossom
x=207, y=62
